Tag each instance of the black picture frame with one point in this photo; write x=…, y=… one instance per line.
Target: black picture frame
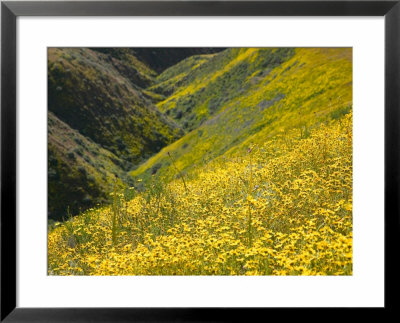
x=11, y=10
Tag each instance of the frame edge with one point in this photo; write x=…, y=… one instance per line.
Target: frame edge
x=392, y=149
x=8, y=294
x=203, y=8
x=8, y=310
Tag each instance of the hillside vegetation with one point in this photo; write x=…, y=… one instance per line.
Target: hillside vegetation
x=81, y=173
x=87, y=91
x=308, y=86
x=111, y=126
x=100, y=93
x=260, y=184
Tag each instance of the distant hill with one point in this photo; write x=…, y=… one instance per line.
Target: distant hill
x=159, y=58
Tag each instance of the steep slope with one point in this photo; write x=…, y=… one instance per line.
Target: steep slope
x=88, y=92
x=177, y=75
x=127, y=64
x=80, y=172
x=100, y=124
x=208, y=87
x=310, y=85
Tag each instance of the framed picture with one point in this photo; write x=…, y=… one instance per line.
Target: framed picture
x=197, y=160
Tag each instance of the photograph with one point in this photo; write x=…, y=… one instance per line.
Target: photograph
x=200, y=161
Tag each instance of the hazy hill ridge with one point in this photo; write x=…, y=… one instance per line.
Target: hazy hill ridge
x=158, y=58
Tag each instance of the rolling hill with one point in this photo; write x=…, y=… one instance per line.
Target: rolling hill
x=100, y=96
x=264, y=92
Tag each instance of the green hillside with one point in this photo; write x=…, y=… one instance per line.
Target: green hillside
x=270, y=91
x=208, y=87
x=98, y=97
x=88, y=92
x=80, y=172
x=177, y=75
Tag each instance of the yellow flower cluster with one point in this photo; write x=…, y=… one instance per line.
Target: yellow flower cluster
x=282, y=207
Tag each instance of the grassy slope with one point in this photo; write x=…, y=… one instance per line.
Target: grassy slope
x=209, y=87
x=285, y=208
x=88, y=92
x=128, y=65
x=313, y=85
x=96, y=98
x=80, y=172
x=177, y=75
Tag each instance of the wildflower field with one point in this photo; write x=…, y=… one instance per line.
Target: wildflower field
x=226, y=199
